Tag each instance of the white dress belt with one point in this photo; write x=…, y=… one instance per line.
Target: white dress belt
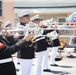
x=40, y=38
x=5, y=60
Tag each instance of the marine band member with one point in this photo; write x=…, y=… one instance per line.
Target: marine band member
x=25, y=58
x=7, y=66
x=40, y=45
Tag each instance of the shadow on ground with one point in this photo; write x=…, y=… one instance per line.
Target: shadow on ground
x=60, y=72
x=65, y=66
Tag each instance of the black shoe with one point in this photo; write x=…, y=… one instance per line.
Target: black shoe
x=53, y=65
x=47, y=70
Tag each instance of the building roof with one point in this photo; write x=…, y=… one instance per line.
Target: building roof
x=48, y=10
x=43, y=3
x=45, y=6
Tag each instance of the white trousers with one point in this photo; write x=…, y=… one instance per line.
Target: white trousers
x=25, y=66
x=45, y=61
x=38, y=63
x=53, y=55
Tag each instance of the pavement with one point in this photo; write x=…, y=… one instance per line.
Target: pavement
x=67, y=66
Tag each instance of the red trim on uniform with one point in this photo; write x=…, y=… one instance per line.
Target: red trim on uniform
x=1, y=45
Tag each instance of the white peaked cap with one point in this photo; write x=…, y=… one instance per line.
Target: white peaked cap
x=7, y=23
x=34, y=17
x=23, y=13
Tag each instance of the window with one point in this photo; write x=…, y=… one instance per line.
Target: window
x=0, y=7
x=61, y=21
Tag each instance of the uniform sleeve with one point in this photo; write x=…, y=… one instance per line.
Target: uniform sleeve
x=57, y=31
x=19, y=45
x=11, y=40
x=14, y=48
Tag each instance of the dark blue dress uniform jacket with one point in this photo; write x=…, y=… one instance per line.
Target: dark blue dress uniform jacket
x=6, y=51
x=55, y=42
x=27, y=52
x=41, y=45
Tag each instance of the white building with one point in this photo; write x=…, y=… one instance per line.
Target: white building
x=58, y=9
